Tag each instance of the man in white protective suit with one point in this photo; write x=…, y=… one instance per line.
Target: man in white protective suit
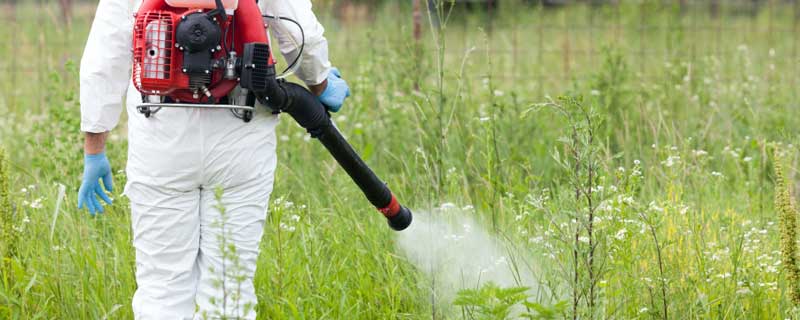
x=177, y=158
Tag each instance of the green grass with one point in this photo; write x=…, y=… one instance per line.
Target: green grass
x=693, y=112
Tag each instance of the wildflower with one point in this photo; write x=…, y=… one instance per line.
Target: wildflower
x=748, y=159
x=717, y=174
x=583, y=239
x=498, y=93
x=637, y=162
x=654, y=207
x=605, y=206
x=671, y=160
x=537, y=239
x=295, y=217
x=484, y=119
x=594, y=92
x=699, y=153
x=743, y=291
x=621, y=234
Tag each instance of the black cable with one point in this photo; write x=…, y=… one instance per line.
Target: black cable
x=225, y=45
x=302, y=43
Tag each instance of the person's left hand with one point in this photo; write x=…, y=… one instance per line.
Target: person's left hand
x=335, y=92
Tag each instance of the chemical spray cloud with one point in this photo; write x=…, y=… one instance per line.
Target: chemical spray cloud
x=459, y=253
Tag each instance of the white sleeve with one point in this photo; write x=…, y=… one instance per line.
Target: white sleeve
x=106, y=66
x=315, y=64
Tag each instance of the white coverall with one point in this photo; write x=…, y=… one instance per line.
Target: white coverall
x=178, y=157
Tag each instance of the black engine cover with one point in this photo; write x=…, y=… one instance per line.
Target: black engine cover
x=198, y=36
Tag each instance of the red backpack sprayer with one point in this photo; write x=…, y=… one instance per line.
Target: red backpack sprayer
x=204, y=54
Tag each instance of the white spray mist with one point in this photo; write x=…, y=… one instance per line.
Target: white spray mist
x=458, y=253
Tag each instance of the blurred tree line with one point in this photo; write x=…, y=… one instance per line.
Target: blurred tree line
x=358, y=8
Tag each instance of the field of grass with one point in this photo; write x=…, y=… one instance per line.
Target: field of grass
x=626, y=162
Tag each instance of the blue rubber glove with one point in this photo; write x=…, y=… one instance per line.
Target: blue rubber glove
x=336, y=91
x=95, y=167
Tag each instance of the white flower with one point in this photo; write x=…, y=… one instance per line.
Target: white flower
x=484, y=119
x=498, y=93
x=284, y=137
x=637, y=162
x=748, y=159
x=583, y=239
x=743, y=291
x=468, y=208
x=295, y=217
x=621, y=234
x=671, y=160
x=595, y=92
x=37, y=204
x=643, y=310
x=699, y=153
x=287, y=227
x=717, y=174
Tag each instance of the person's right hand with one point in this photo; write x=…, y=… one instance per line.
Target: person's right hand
x=95, y=167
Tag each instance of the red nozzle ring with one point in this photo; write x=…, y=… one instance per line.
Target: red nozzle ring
x=392, y=209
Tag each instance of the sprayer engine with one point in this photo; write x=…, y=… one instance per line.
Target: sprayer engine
x=192, y=55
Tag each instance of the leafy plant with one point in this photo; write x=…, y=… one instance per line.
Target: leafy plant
x=490, y=301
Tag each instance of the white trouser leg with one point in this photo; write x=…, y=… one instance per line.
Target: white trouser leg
x=229, y=247
x=166, y=235
x=242, y=162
